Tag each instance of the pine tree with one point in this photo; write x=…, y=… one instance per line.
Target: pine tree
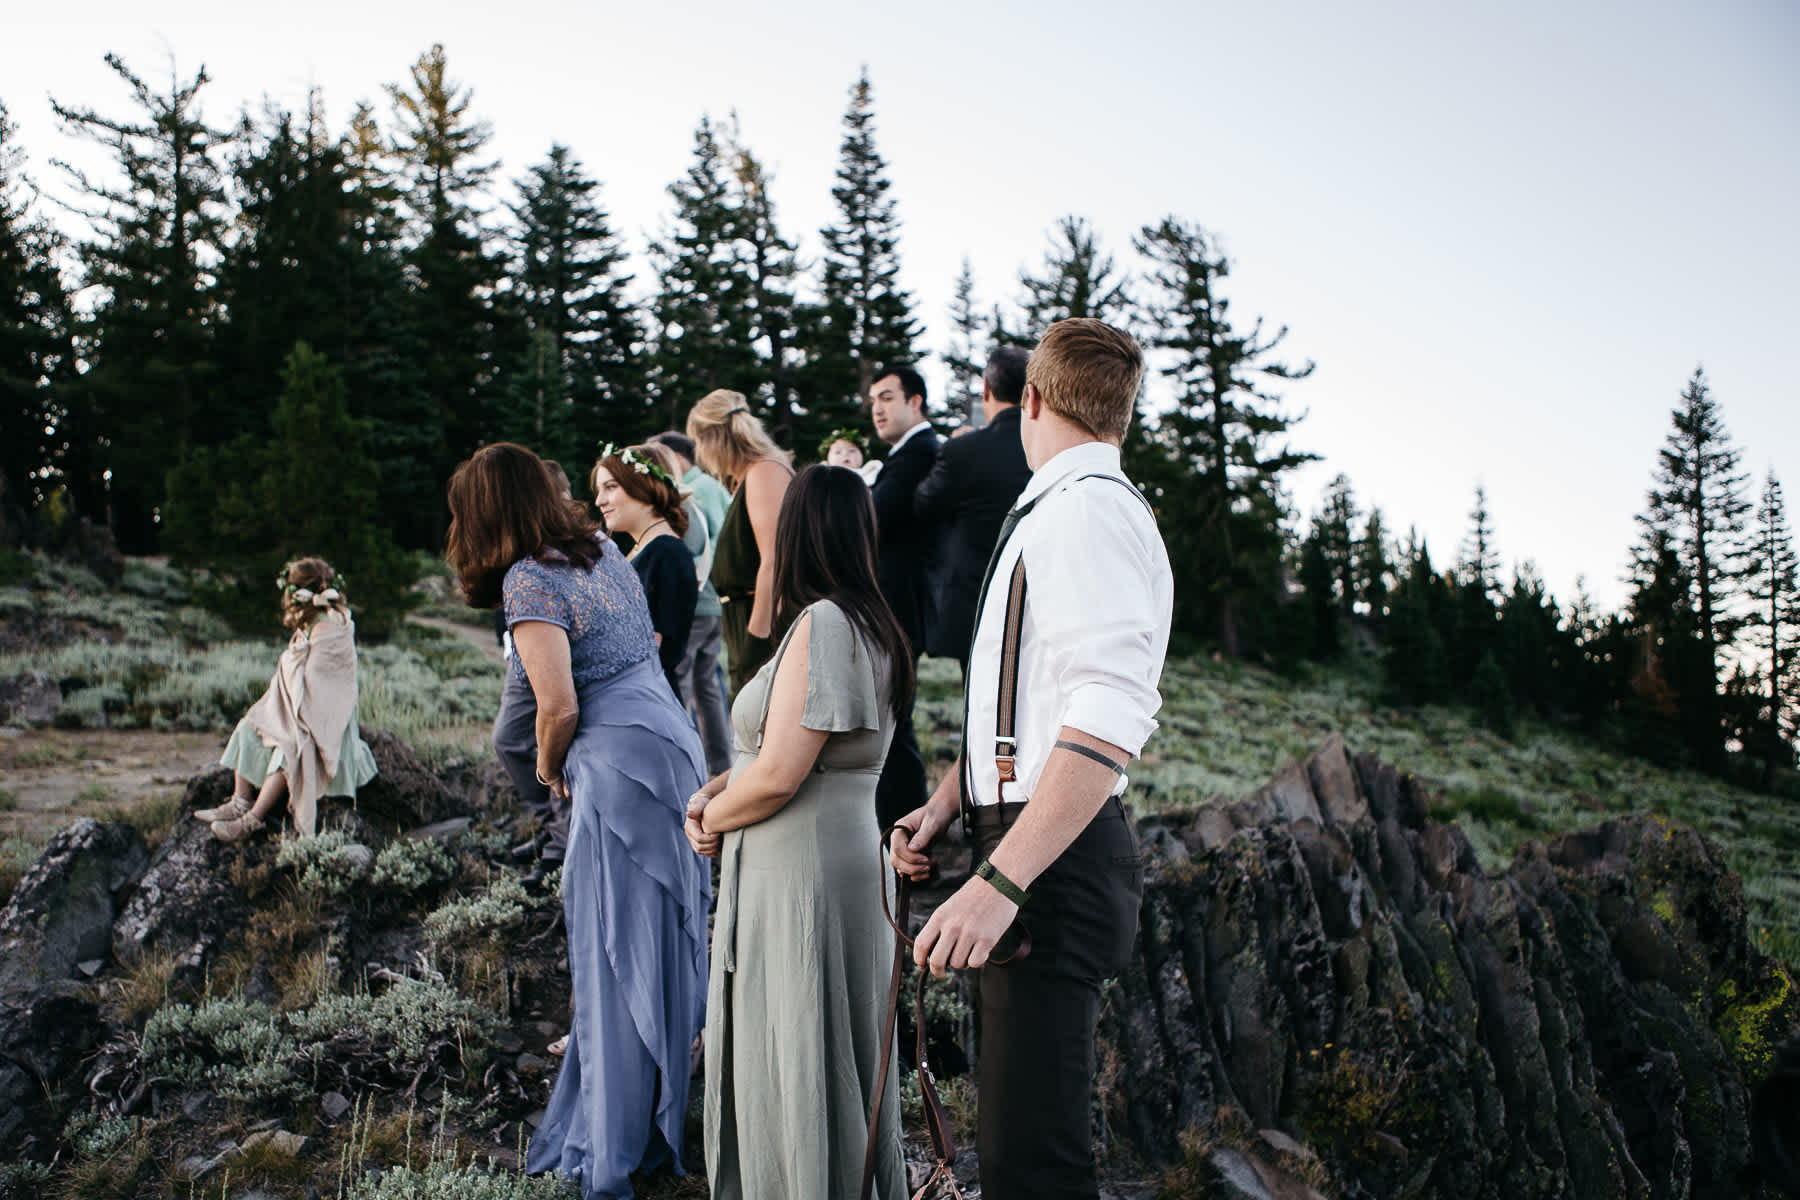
x=1773, y=624
x=770, y=267
x=1534, y=649
x=146, y=395
x=581, y=381
x=453, y=315
x=1477, y=583
x=863, y=318
x=307, y=486
x=1415, y=666
x=1078, y=279
x=966, y=354
x=1696, y=509
x=36, y=350
x=386, y=388
x=703, y=308
x=1335, y=528
x=1215, y=463
x=1479, y=563
x=1373, y=566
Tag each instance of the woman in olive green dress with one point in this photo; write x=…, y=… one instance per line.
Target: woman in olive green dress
x=731, y=445
x=801, y=950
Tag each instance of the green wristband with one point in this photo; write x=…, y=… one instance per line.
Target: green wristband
x=1006, y=887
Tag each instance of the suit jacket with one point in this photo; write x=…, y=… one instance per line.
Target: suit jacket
x=908, y=547
x=965, y=498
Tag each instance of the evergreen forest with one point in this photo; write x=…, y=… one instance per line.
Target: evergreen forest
x=262, y=313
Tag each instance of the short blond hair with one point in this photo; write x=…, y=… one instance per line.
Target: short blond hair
x=1089, y=372
x=728, y=439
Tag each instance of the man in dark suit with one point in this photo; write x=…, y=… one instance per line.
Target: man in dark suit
x=897, y=405
x=966, y=496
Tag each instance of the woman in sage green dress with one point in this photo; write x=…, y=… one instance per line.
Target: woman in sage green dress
x=731, y=445
x=801, y=950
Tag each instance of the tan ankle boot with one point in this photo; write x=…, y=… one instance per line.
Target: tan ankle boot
x=231, y=810
x=237, y=830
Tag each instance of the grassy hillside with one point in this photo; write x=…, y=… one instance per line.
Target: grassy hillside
x=147, y=659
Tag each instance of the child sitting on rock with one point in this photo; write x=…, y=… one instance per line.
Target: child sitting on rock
x=301, y=739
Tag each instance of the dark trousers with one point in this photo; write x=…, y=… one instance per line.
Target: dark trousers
x=1039, y=1015
x=901, y=787
x=515, y=744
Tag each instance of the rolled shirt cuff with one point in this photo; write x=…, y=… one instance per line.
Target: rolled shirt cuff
x=1111, y=715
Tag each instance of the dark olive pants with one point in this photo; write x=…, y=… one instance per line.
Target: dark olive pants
x=1039, y=1015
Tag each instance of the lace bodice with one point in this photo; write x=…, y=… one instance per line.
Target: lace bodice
x=602, y=609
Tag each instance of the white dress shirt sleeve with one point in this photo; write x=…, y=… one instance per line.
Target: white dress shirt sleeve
x=1100, y=597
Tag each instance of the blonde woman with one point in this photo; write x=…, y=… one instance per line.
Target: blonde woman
x=301, y=739
x=731, y=444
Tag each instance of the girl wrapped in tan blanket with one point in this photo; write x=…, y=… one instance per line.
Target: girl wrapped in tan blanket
x=301, y=739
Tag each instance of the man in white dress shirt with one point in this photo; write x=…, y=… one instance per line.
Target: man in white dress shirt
x=1053, y=841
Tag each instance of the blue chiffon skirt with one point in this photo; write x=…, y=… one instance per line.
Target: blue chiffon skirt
x=635, y=899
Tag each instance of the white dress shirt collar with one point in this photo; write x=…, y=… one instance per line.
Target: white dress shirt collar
x=907, y=437
x=1088, y=458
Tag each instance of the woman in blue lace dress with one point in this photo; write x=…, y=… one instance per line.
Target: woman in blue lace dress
x=617, y=747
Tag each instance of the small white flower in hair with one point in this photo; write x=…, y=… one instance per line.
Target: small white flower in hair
x=303, y=594
x=325, y=597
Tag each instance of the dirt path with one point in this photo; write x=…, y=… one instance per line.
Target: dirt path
x=49, y=777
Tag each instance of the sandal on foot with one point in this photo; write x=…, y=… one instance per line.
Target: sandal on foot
x=559, y=1047
x=237, y=830
x=231, y=810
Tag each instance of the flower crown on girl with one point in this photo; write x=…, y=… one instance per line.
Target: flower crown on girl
x=300, y=595
x=642, y=464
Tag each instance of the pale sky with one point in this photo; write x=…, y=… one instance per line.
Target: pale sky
x=1506, y=234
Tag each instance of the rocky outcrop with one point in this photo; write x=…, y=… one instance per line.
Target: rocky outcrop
x=55, y=934
x=183, y=902
x=29, y=699
x=404, y=793
x=62, y=913
x=1325, y=960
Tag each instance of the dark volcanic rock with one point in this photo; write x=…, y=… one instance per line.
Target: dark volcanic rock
x=1337, y=966
x=404, y=794
x=62, y=912
x=29, y=699
x=183, y=901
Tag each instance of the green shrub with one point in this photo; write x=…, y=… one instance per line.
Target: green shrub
x=408, y=1020
x=240, y=1048
x=490, y=914
x=330, y=864
x=444, y=1180
x=96, y=1134
x=413, y=864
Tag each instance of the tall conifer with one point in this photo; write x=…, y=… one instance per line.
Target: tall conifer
x=157, y=228
x=863, y=318
x=1077, y=279
x=581, y=381
x=1216, y=462
x=1773, y=622
x=441, y=148
x=1696, y=510
x=36, y=349
x=702, y=310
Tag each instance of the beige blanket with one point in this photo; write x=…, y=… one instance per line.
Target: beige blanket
x=309, y=704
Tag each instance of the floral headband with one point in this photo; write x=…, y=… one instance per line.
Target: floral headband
x=842, y=435
x=301, y=595
x=641, y=463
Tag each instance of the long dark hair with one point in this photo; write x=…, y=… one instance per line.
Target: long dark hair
x=504, y=507
x=825, y=550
